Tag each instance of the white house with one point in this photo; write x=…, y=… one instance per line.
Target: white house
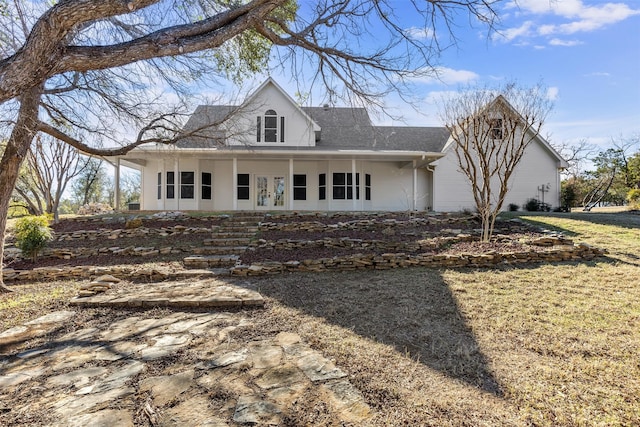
x=271, y=154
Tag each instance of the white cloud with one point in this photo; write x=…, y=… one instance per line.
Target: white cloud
x=419, y=33
x=511, y=33
x=552, y=93
x=580, y=17
x=448, y=76
x=568, y=43
x=598, y=74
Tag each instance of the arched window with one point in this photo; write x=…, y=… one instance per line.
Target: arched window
x=269, y=128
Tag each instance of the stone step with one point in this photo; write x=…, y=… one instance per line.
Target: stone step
x=228, y=241
x=220, y=250
x=244, y=221
x=206, y=261
x=247, y=216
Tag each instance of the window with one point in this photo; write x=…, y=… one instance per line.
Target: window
x=299, y=187
x=339, y=186
x=259, y=129
x=322, y=186
x=367, y=186
x=206, y=186
x=496, y=129
x=187, y=185
x=159, y=185
x=281, y=129
x=243, y=186
x=171, y=176
x=268, y=127
x=343, y=186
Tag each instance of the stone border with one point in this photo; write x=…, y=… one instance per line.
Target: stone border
x=112, y=234
x=581, y=251
x=85, y=272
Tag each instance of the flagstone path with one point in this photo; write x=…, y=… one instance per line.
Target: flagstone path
x=181, y=368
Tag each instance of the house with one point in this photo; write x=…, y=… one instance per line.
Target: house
x=271, y=154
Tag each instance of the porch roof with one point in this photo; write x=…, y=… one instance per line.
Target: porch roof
x=139, y=156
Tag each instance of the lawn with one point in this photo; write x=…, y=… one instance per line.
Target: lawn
x=542, y=345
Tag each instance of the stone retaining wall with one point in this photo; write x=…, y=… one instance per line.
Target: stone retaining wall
x=345, y=263
x=89, y=272
x=283, y=244
x=392, y=246
x=348, y=243
x=398, y=260
x=104, y=233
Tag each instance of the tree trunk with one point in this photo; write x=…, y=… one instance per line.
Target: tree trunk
x=17, y=147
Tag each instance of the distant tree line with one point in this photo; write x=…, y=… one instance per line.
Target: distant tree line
x=613, y=180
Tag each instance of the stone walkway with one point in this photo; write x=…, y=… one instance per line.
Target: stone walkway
x=180, y=369
x=207, y=293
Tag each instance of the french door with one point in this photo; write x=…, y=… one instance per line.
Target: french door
x=270, y=192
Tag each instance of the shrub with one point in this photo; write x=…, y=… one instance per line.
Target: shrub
x=633, y=197
x=535, y=205
x=568, y=195
x=133, y=223
x=32, y=234
x=532, y=205
x=513, y=207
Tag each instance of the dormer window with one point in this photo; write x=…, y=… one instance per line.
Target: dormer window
x=270, y=127
x=496, y=128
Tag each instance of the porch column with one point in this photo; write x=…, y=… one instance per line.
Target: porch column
x=415, y=186
x=117, y=185
x=141, y=198
x=353, y=184
x=176, y=181
x=433, y=187
x=234, y=183
x=291, y=184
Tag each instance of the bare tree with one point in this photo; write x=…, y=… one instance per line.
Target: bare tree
x=490, y=132
x=92, y=64
x=577, y=156
x=50, y=166
x=90, y=184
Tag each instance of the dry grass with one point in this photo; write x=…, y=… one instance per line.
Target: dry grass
x=31, y=300
x=545, y=345
x=541, y=345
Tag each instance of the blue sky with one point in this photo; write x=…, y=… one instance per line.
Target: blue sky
x=587, y=52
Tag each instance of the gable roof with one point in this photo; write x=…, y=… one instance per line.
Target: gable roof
x=204, y=136
x=500, y=99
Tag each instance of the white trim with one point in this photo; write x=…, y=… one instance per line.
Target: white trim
x=290, y=203
x=234, y=181
x=354, y=187
x=117, y=185
x=415, y=186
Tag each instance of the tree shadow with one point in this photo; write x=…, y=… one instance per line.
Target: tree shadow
x=413, y=310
